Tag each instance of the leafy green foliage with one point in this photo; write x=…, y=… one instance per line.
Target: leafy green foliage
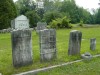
x=40, y=12
x=54, y=9
x=49, y=16
x=33, y=18
x=98, y=16
x=81, y=23
x=25, y=5
x=7, y=13
x=60, y=23
x=69, y=6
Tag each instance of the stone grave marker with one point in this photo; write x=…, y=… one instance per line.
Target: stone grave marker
x=86, y=56
x=21, y=42
x=92, y=43
x=41, y=26
x=47, y=44
x=21, y=47
x=74, y=42
x=21, y=22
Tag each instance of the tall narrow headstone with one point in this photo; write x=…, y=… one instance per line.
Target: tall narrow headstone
x=21, y=48
x=74, y=42
x=21, y=42
x=47, y=44
x=92, y=43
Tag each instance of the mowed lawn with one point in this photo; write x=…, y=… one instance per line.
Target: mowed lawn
x=81, y=68
x=7, y=68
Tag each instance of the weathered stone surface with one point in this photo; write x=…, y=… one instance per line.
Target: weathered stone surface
x=41, y=26
x=21, y=22
x=21, y=48
x=92, y=43
x=74, y=42
x=87, y=56
x=8, y=30
x=47, y=44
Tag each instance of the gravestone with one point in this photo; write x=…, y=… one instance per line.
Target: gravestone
x=92, y=43
x=21, y=22
x=47, y=44
x=74, y=42
x=86, y=56
x=21, y=42
x=41, y=26
x=21, y=47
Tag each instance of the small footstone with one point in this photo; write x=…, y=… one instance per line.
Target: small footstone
x=86, y=56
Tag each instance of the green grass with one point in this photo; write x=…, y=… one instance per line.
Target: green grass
x=81, y=68
x=62, y=50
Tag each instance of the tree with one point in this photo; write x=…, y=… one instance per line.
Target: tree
x=49, y=16
x=97, y=15
x=33, y=18
x=53, y=9
x=70, y=7
x=61, y=23
x=25, y=5
x=7, y=13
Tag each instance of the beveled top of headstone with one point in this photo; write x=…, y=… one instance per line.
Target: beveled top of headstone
x=22, y=17
x=41, y=23
x=21, y=22
x=74, y=31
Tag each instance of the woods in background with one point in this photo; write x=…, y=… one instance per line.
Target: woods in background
x=52, y=11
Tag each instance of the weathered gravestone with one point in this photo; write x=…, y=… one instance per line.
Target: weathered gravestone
x=21, y=48
x=86, y=56
x=21, y=22
x=47, y=44
x=41, y=26
x=92, y=43
x=74, y=42
x=21, y=42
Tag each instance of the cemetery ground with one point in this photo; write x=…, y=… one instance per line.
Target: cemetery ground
x=6, y=67
x=81, y=68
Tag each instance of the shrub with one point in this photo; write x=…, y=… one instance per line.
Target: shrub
x=33, y=18
x=53, y=24
x=52, y=15
x=81, y=23
x=60, y=23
